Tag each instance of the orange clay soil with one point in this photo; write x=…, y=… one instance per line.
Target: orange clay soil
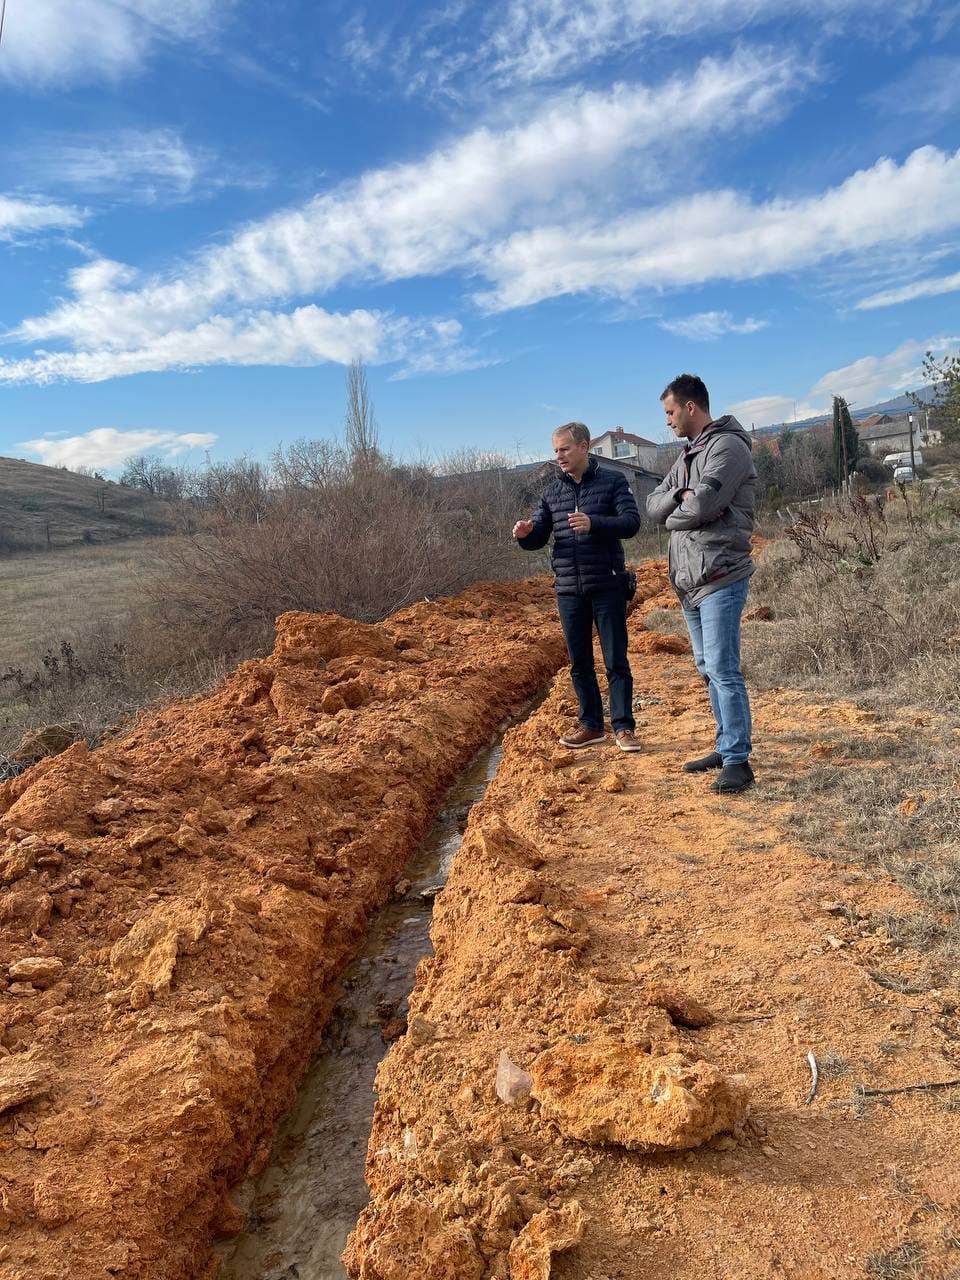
x=655, y=962
x=175, y=909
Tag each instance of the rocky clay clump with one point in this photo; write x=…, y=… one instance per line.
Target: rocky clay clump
x=176, y=907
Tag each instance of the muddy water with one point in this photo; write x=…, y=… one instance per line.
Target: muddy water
x=306, y=1202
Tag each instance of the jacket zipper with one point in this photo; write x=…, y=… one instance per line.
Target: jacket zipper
x=576, y=556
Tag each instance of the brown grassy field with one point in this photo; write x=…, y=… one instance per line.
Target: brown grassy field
x=43, y=508
x=46, y=598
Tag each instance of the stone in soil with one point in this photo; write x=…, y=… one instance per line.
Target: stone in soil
x=610, y=1091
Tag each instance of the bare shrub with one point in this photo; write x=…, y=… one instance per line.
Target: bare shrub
x=328, y=525
x=97, y=680
x=343, y=531
x=866, y=599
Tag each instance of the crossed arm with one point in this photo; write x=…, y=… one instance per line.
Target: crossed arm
x=676, y=506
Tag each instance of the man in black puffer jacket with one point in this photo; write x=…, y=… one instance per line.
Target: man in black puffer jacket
x=588, y=509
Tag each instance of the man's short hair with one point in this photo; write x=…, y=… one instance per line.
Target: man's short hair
x=578, y=430
x=687, y=386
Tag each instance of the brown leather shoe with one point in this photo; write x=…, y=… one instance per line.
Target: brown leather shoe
x=628, y=741
x=583, y=738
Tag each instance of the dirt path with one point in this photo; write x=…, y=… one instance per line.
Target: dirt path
x=176, y=908
x=589, y=893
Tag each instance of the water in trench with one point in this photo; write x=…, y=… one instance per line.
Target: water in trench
x=306, y=1202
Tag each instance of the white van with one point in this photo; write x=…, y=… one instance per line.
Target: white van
x=903, y=459
x=903, y=475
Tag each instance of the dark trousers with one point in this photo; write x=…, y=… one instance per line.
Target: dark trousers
x=578, y=615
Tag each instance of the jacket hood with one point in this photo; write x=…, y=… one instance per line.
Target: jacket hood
x=727, y=425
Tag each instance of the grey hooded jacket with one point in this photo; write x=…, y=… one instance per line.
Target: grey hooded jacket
x=709, y=532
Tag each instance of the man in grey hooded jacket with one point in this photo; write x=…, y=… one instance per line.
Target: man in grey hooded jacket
x=707, y=502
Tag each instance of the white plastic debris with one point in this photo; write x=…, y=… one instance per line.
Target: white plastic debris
x=513, y=1084
x=410, y=1148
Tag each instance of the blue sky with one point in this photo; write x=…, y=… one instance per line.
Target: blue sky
x=516, y=212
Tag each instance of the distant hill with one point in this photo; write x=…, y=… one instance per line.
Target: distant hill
x=899, y=404
x=44, y=507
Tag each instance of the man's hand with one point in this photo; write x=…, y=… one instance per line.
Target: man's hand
x=523, y=529
x=687, y=493
x=579, y=522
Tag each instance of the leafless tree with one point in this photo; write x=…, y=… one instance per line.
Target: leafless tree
x=362, y=431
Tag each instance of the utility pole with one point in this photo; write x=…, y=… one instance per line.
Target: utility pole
x=913, y=461
x=845, y=482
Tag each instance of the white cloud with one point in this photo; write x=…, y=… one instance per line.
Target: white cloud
x=54, y=42
x=865, y=381
x=707, y=326
x=307, y=336
x=144, y=165
x=106, y=448
x=920, y=289
x=930, y=87
x=407, y=220
x=24, y=216
x=876, y=377
x=529, y=42
x=765, y=411
x=722, y=235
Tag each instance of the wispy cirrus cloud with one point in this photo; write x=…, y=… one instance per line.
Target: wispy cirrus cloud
x=24, y=215
x=106, y=448
x=528, y=42
x=142, y=166
x=50, y=43
x=707, y=326
x=931, y=288
x=721, y=235
x=929, y=87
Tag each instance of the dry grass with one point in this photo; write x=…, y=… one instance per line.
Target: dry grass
x=832, y=1065
x=45, y=507
x=59, y=595
x=97, y=682
x=897, y=815
x=901, y=1263
x=667, y=621
x=866, y=602
x=649, y=544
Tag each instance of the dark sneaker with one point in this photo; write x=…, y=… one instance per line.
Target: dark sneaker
x=733, y=778
x=583, y=738
x=627, y=740
x=713, y=761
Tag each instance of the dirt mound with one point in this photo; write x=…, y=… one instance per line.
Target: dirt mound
x=622, y=968
x=176, y=908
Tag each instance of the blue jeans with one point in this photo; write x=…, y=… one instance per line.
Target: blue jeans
x=578, y=614
x=714, y=627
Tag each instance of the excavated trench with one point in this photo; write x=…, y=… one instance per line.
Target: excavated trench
x=610, y=1078
x=302, y=1208
x=178, y=908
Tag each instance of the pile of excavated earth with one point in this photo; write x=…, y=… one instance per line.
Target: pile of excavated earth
x=604, y=1072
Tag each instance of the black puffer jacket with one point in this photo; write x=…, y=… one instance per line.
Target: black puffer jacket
x=585, y=563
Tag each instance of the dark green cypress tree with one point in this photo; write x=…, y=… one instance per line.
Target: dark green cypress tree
x=846, y=442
